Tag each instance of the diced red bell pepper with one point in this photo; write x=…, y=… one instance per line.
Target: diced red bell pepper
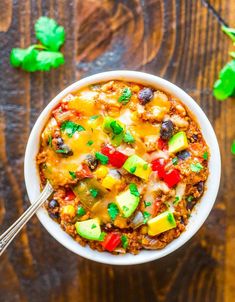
x=111, y=241
x=159, y=166
x=172, y=178
x=69, y=195
x=162, y=144
x=116, y=158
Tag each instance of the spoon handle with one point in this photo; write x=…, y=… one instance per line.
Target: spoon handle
x=13, y=230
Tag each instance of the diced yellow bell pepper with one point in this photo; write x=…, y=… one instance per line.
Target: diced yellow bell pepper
x=68, y=210
x=161, y=223
x=109, y=182
x=101, y=172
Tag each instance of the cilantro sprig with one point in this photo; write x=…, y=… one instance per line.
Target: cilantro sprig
x=125, y=96
x=113, y=210
x=41, y=57
x=197, y=167
x=70, y=128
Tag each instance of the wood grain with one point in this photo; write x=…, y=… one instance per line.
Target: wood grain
x=179, y=40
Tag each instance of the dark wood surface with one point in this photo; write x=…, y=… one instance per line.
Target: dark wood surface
x=179, y=40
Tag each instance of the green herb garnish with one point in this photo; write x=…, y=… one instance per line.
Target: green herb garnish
x=125, y=97
x=41, y=57
x=128, y=138
x=72, y=174
x=113, y=210
x=147, y=203
x=205, y=155
x=81, y=211
x=190, y=198
x=175, y=161
x=61, y=151
x=197, y=167
x=125, y=208
x=177, y=199
x=233, y=147
x=93, y=226
x=133, y=169
x=102, y=158
x=116, y=127
x=49, y=141
x=89, y=143
x=94, y=192
x=229, y=31
x=146, y=216
x=124, y=240
x=170, y=218
x=134, y=190
x=70, y=128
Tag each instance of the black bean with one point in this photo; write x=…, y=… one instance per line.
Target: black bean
x=167, y=129
x=200, y=187
x=194, y=138
x=183, y=154
x=52, y=204
x=190, y=205
x=54, y=215
x=91, y=161
x=145, y=95
x=66, y=150
x=59, y=141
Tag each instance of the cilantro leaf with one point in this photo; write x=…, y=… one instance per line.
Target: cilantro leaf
x=70, y=128
x=225, y=85
x=49, y=33
x=175, y=161
x=146, y=217
x=24, y=58
x=134, y=190
x=81, y=211
x=147, y=203
x=125, y=96
x=89, y=143
x=94, y=192
x=72, y=174
x=94, y=117
x=102, y=158
x=128, y=137
x=197, y=167
x=229, y=31
x=48, y=59
x=113, y=210
x=205, y=155
x=233, y=147
x=177, y=199
x=190, y=198
x=116, y=127
x=124, y=240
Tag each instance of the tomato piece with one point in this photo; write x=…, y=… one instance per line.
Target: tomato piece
x=159, y=166
x=111, y=241
x=172, y=178
x=116, y=158
x=69, y=195
x=162, y=144
x=84, y=172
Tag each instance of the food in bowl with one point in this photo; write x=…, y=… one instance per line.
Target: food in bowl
x=128, y=163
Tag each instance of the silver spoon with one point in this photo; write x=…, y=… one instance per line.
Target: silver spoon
x=13, y=230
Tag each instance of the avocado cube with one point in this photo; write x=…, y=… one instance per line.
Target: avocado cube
x=161, y=223
x=89, y=229
x=127, y=203
x=137, y=166
x=178, y=142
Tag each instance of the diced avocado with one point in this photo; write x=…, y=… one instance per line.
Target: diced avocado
x=127, y=203
x=116, y=140
x=178, y=142
x=89, y=229
x=161, y=223
x=137, y=166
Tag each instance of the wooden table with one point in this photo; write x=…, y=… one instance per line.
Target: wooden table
x=179, y=40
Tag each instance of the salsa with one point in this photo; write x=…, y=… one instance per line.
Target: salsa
x=127, y=162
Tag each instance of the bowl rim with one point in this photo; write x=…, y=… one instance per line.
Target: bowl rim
x=203, y=208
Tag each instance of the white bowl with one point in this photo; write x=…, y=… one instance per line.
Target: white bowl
x=201, y=210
